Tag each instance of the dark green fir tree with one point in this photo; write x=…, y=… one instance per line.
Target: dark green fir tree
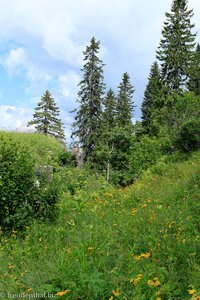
x=176, y=46
x=152, y=97
x=88, y=118
x=125, y=105
x=46, y=117
x=109, y=113
x=194, y=73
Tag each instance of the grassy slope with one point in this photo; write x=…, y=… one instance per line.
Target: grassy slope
x=45, y=148
x=137, y=243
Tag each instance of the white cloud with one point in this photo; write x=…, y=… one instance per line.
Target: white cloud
x=15, y=59
x=13, y=117
x=67, y=86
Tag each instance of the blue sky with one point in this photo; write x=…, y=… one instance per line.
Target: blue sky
x=41, y=44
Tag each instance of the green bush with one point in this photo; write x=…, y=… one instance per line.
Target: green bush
x=27, y=189
x=16, y=183
x=189, y=138
x=145, y=152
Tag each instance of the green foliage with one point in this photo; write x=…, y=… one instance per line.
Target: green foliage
x=144, y=153
x=125, y=105
x=109, y=113
x=154, y=98
x=46, y=118
x=194, y=72
x=139, y=242
x=189, y=137
x=17, y=168
x=175, y=49
x=87, y=125
x=28, y=187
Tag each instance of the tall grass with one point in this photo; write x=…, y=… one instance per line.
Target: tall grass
x=137, y=243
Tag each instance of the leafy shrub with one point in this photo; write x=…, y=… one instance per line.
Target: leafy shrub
x=145, y=152
x=189, y=138
x=23, y=194
x=16, y=182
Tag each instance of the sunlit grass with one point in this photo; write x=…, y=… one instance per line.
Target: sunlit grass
x=137, y=243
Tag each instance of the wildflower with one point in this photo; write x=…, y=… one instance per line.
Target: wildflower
x=157, y=283
x=90, y=249
x=144, y=205
x=142, y=255
x=11, y=267
x=137, y=279
x=158, y=298
x=137, y=257
x=115, y=293
x=111, y=298
x=63, y=293
x=196, y=298
x=150, y=282
x=145, y=255
x=191, y=292
x=29, y=290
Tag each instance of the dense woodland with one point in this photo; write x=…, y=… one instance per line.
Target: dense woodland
x=126, y=224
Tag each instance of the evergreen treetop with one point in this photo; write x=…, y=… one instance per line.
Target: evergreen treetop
x=175, y=49
x=109, y=113
x=46, y=117
x=152, y=95
x=125, y=105
x=87, y=125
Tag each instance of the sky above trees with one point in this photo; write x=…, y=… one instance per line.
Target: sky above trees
x=41, y=44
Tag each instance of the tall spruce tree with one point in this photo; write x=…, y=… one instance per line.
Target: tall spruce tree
x=152, y=96
x=125, y=105
x=175, y=49
x=46, y=117
x=194, y=73
x=109, y=113
x=87, y=125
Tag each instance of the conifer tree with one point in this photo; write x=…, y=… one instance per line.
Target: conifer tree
x=175, y=49
x=109, y=113
x=88, y=118
x=125, y=105
x=46, y=117
x=194, y=73
x=152, y=95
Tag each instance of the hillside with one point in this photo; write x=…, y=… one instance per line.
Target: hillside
x=137, y=243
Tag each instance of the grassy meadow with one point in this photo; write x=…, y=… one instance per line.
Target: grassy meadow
x=107, y=243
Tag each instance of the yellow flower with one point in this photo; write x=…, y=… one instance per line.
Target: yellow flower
x=157, y=283
x=111, y=298
x=158, y=293
x=90, y=249
x=29, y=290
x=63, y=293
x=191, y=292
x=137, y=257
x=134, y=210
x=158, y=298
x=115, y=293
x=196, y=298
x=145, y=255
x=150, y=282
x=11, y=267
